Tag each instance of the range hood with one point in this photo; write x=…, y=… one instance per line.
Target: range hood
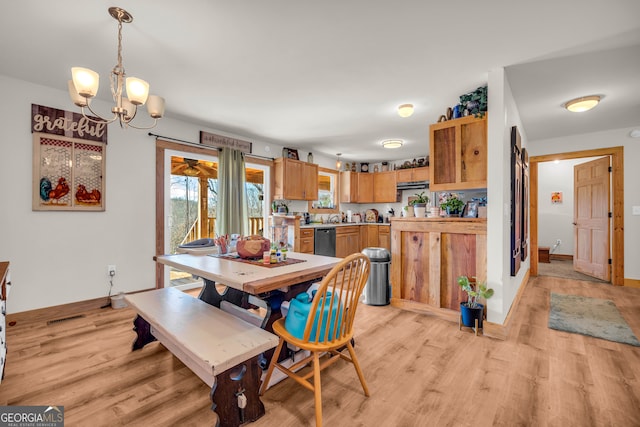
x=416, y=185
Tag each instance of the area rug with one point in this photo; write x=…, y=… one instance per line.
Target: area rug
x=594, y=317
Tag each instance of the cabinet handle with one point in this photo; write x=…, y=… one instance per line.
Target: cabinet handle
x=464, y=166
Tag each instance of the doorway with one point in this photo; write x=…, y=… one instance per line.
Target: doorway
x=193, y=171
x=617, y=198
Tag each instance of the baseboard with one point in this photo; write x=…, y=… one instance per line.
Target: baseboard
x=632, y=283
x=59, y=311
x=561, y=257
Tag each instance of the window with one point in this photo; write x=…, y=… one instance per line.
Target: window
x=327, y=192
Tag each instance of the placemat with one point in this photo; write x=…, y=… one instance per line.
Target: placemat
x=235, y=257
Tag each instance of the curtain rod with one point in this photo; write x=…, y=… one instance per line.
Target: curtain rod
x=195, y=144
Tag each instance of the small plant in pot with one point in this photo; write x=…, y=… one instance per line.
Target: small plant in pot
x=472, y=310
x=453, y=206
x=420, y=204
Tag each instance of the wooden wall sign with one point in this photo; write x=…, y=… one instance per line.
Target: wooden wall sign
x=66, y=123
x=219, y=141
x=69, y=157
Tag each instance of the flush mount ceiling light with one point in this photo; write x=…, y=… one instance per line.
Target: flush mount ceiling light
x=405, y=110
x=635, y=133
x=392, y=143
x=84, y=86
x=584, y=103
x=338, y=162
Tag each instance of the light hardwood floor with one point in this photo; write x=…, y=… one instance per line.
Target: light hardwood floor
x=421, y=371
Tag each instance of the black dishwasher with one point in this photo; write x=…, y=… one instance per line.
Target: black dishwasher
x=325, y=241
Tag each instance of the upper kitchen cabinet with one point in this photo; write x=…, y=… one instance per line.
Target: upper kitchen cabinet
x=412, y=174
x=364, y=187
x=295, y=180
x=348, y=187
x=458, y=154
x=384, y=187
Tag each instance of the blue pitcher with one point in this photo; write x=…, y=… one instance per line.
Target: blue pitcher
x=299, y=309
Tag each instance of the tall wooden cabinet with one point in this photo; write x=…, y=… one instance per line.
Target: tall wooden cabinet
x=458, y=154
x=295, y=180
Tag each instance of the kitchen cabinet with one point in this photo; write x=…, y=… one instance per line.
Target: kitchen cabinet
x=412, y=174
x=384, y=187
x=295, y=180
x=458, y=154
x=364, y=187
x=348, y=187
x=384, y=237
x=307, y=241
x=347, y=240
x=428, y=255
x=368, y=236
x=5, y=283
x=375, y=236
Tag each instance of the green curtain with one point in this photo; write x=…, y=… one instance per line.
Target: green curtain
x=233, y=213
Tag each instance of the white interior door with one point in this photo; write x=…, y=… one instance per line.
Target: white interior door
x=591, y=218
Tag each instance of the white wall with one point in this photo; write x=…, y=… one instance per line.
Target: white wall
x=556, y=219
x=631, y=146
x=503, y=114
x=61, y=257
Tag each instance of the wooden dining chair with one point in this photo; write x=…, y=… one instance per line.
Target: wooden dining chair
x=328, y=330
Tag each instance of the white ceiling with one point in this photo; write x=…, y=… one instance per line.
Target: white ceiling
x=326, y=76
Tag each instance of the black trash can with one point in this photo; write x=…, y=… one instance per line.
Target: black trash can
x=377, y=291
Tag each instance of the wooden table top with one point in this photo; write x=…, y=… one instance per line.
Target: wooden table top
x=254, y=279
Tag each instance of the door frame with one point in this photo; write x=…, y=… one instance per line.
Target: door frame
x=617, y=193
x=162, y=146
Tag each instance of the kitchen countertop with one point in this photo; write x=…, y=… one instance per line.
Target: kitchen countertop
x=340, y=224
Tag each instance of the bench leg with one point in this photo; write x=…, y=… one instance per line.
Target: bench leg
x=143, y=329
x=210, y=294
x=243, y=378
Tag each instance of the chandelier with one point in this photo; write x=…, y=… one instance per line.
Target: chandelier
x=84, y=86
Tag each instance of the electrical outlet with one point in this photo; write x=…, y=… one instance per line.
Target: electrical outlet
x=111, y=270
x=558, y=242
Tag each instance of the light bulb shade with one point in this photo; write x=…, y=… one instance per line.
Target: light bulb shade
x=580, y=105
x=129, y=109
x=155, y=106
x=137, y=90
x=76, y=98
x=392, y=143
x=405, y=110
x=86, y=81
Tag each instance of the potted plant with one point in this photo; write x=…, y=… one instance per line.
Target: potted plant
x=472, y=310
x=475, y=102
x=453, y=206
x=419, y=204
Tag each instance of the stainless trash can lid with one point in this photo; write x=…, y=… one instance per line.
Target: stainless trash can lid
x=377, y=254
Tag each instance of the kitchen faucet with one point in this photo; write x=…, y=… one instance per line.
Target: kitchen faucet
x=333, y=219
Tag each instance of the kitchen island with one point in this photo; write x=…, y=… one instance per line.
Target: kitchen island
x=428, y=255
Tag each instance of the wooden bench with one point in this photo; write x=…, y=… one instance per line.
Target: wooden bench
x=220, y=348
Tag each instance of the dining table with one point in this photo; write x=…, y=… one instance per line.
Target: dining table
x=237, y=285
